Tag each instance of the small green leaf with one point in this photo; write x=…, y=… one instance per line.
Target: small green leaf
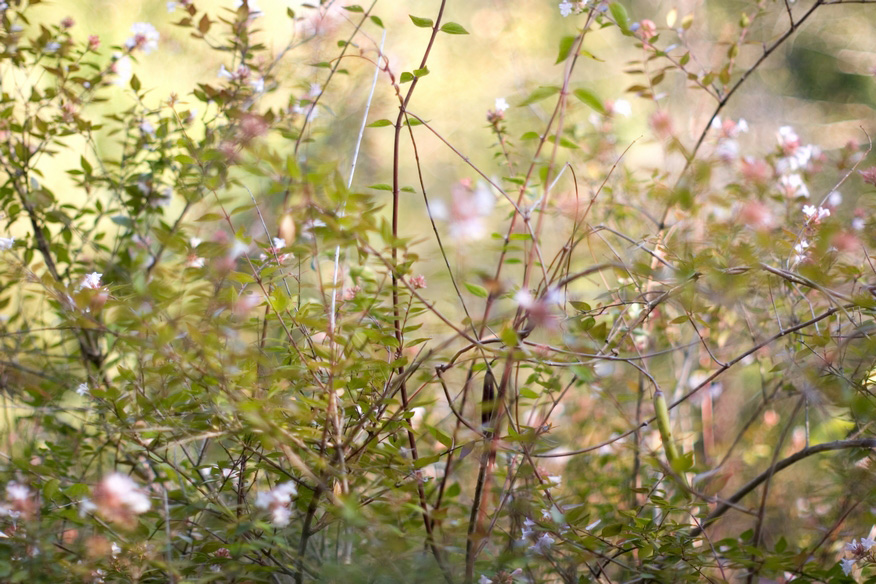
x=406, y=77
x=421, y=22
x=376, y=20
x=135, y=83
x=421, y=72
x=566, y=44
x=380, y=123
x=381, y=187
x=453, y=28
x=588, y=97
x=540, y=93
x=619, y=13
x=478, y=291
x=353, y=8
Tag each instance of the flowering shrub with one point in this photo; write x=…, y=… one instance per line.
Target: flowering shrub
x=259, y=333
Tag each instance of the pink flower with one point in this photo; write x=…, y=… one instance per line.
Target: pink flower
x=869, y=175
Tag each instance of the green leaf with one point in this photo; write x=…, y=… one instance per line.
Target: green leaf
x=353, y=8
x=478, y=291
x=619, y=13
x=380, y=123
x=381, y=187
x=453, y=28
x=421, y=72
x=540, y=94
x=376, y=20
x=566, y=44
x=406, y=77
x=588, y=97
x=135, y=83
x=421, y=22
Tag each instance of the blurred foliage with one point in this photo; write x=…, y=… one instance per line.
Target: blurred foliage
x=542, y=308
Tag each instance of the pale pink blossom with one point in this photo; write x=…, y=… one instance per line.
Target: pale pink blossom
x=118, y=498
x=6, y=243
x=145, y=38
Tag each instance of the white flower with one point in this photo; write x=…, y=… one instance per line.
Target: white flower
x=147, y=128
x=555, y=480
x=119, y=490
x=86, y=506
x=834, y=198
x=82, y=389
x=528, y=525
x=6, y=243
x=793, y=186
x=258, y=85
x=847, y=566
x=53, y=46
x=566, y=8
x=858, y=224
x=542, y=545
x=115, y=549
x=622, y=107
x=501, y=104
x=122, y=68
x=802, y=246
x=867, y=543
x=315, y=90
x=145, y=37
x=277, y=502
x=17, y=493
x=171, y=6
x=742, y=125
x=91, y=281
x=484, y=580
x=223, y=72
x=278, y=243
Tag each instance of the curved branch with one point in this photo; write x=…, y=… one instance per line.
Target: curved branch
x=780, y=465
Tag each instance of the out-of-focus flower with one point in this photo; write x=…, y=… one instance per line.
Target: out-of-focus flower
x=276, y=501
x=122, y=68
x=418, y=282
x=93, y=42
x=118, y=498
x=67, y=22
x=788, y=140
x=528, y=528
x=869, y=175
x=757, y=216
x=619, y=107
x=847, y=565
x=91, y=281
x=662, y=123
x=83, y=389
x=543, y=311
x=468, y=208
x=834, y=198
x=501, y=104
x=566, y=8
x=814, y=214
x=542, y=544
x=145, y=38
x=6, y=243
x=258, y=84
x=792, y=186
x=647, y=30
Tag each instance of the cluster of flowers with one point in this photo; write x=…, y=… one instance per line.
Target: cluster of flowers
x=860, y=550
